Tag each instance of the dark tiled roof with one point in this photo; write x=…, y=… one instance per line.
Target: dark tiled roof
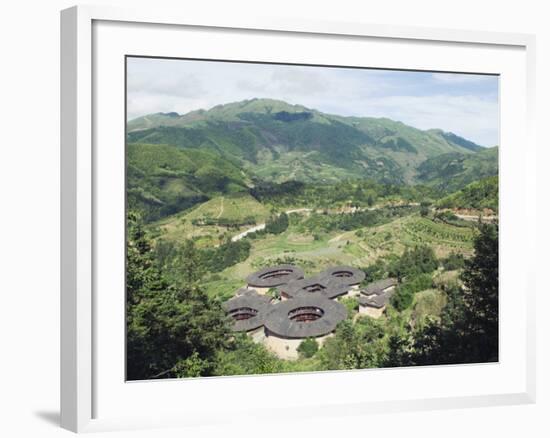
x=377, y=301
x=274, y=276
x=379, y=286
x=245, y=291
x=279, y=323
x=318, y=285
x=248, y=303
x=346, y=275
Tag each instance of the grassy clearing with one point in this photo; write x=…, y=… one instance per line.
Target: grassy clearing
x=222, y=287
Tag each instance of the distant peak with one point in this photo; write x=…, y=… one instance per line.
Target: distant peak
x=257, y=104
x=457, y=140
x=170, y=114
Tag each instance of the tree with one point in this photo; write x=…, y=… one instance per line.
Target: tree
x=415, y=261
x=308, y=347
x=375, y=271
x=171, y=332
x=277, y=224
x=468, y=329
x=354, y=346
x=244, y=356
x=398, y=355
x=352, y=305
x=402, y=298
x=453, y=261
x=480, y=277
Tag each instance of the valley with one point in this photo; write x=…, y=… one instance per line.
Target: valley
x=218, y=195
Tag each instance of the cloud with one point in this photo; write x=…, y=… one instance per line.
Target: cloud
x=299, y=81
x=469, y=116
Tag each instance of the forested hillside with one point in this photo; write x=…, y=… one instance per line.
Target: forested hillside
x=479, y=195
x=176, y=161
x=453, y=171
x=279, y=141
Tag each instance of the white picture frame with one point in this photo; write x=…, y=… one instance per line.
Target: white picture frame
x=86, y=375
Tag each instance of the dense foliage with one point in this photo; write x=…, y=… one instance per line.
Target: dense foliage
x=477, y=195
x=308, y=347
x=171, y=332
x=359, y=345
x=403, y=297
x=413, y=262
x=163, y=180
x=348, y=192
x=170, y=256
x=467, y=331
x=453, y=171
x=453, y=261
x=277, y=224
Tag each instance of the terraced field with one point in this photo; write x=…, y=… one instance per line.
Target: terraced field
x=394, y=237
x=358, y=247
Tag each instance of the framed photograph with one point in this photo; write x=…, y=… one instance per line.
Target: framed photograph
x=293, y=217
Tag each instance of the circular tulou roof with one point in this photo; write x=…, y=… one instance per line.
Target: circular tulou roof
x=279, y=322
x=248, y=303
x=274, y=276
x=318, y=285
x=346, y=275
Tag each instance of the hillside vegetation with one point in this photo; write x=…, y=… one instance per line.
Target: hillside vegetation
x=453, y=171
x=211, y=222
x=163, y=180
x=278, y=141
x=478, y=195
x=215, y=195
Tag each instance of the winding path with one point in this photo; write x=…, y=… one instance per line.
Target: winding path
x=221, y=209
x=248, y=231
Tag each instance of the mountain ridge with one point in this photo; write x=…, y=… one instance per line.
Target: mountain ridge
x=234, y=144
x=230, y=111
x=259, y=131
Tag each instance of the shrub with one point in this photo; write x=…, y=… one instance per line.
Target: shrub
x=274, y=293
x=453, y=261
x=413, y=262
x=402, y=298
x=351, y=304
x=277, y=224
x=420, y=282
x=308, y=347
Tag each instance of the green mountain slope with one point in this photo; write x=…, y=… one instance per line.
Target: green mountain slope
x=163, y=180
x=279, y=141
x=453, y=171
x=176, y=161
x=477, y=195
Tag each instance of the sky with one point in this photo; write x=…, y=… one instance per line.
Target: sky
x=465, y=104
